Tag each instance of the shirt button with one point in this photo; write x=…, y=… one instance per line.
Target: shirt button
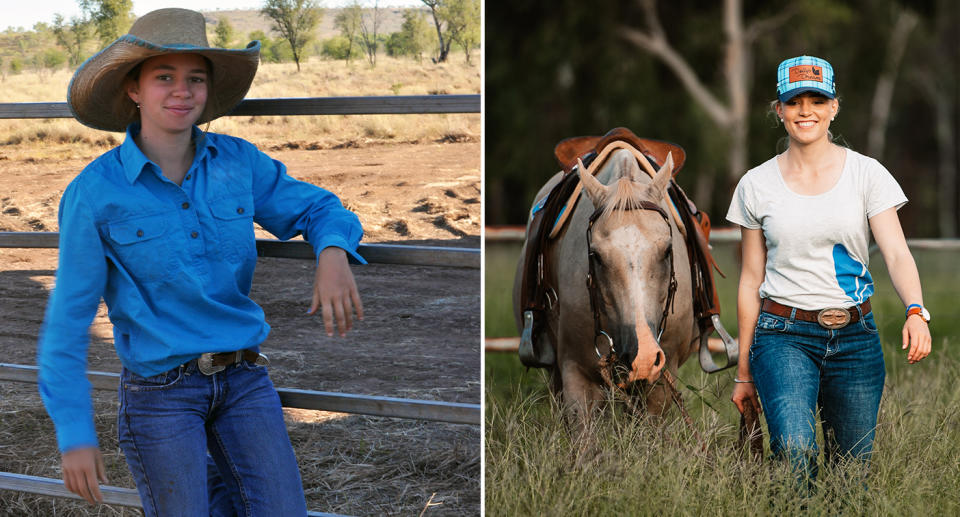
x=194, y=235
x=188, y=177
x=240, y=210
x=139, y=233
x=185, y=205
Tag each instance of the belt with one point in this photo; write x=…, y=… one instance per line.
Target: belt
x=210, y=363
x=830, y=318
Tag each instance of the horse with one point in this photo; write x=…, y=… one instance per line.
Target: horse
x=634, y=324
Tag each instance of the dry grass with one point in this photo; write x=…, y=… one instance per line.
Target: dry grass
x=352, y=465
x=66, y=138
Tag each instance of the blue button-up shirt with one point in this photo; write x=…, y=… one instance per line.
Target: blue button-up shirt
x=174, y=263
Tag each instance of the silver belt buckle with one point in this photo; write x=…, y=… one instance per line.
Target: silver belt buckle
x=261, y=360
x=833, y=318
x=206, y=366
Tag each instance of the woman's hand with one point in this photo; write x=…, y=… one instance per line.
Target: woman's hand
x=335, y=291
x=916, y=336
x=82, y=468
x=745, y=393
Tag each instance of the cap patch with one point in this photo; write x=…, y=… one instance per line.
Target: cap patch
x=806, y=73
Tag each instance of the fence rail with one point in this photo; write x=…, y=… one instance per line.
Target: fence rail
x=438, y=411
x=398, y=254
x=391, y=105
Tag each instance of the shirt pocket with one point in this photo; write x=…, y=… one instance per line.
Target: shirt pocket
x=234, y=219
x=141, y=245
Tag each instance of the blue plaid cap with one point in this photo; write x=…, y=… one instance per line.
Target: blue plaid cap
x=804, y=74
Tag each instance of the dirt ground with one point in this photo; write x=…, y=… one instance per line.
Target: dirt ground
x=420, y=338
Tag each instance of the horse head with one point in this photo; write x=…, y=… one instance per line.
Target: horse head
x=632, y=280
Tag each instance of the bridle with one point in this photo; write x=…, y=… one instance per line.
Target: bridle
x=599, y=334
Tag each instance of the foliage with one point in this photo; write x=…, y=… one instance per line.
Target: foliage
x=295, y=21
x=51, y=58
x=462, y=18
x=348, y=22
x=339, y=47
x=112, y=18
x=271, y=50
x=224, y=32
x=73, y=36
x=16, y=66
x=414, y=37
x=370, y=32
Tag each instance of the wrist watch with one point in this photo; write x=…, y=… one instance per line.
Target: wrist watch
x=915, y=308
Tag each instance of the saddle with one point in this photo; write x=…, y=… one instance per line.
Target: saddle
x=549, y=215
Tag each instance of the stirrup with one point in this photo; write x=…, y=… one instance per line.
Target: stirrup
x=730, y=344
x=531, y=355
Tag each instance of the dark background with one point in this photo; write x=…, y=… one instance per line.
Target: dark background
x=556, y=69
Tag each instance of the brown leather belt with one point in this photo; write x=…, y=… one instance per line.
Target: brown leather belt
x=830, y=318
x=209, y=364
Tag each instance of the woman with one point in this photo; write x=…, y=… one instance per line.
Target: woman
x=803, y=303
x=162, y=228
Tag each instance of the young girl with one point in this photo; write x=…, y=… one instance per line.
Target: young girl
x=161, y=228
x=807, y=333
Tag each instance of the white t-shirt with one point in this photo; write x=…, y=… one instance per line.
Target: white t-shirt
x=817, y=246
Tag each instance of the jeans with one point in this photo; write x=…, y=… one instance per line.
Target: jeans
x=799, y=366
x=171, y=425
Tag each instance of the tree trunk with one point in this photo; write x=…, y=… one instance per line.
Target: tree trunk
x=947, y=168
x=736, y=72
x=444, y=49
x=883, y=95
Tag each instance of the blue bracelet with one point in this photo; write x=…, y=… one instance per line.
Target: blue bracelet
x=912, y=305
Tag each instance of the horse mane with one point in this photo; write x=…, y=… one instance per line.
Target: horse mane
x=624, y=195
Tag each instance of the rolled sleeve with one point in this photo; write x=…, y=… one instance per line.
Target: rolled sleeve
x=287, y=207
x=64, y=338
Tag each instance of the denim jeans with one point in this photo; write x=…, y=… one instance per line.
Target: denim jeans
x=171, y=425
x=798, y=367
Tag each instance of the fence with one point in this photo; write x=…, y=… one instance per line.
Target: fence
x=452, y=412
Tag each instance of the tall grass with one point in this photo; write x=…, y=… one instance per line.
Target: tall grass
x=646, y=468
x=649, y=468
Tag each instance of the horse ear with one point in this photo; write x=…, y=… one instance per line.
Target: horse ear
x=662, y=179
x=595, y=190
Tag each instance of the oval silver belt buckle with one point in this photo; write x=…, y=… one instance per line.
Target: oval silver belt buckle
x=206, y=366
x=833, y=318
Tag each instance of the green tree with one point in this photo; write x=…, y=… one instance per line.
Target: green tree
x=224, y=33
x=415, y=33
x=436, y=9
x=369, y=32
x=295, y=21
x=338, y=47
x=348, y=22
x=72, y=36
x=52, y=58
x=463, y=23
x=112, y=18
x=16, y=66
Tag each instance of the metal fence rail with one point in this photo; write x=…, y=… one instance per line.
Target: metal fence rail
x=451, y=412
x=399, y=254
x=391, y=105
x=111, y=494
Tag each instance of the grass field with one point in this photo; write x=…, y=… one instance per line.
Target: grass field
x=531, y=466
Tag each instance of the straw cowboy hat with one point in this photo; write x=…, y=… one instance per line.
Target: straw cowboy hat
x=98, y=98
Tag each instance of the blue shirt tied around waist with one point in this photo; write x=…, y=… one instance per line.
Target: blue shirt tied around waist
x=174, y=264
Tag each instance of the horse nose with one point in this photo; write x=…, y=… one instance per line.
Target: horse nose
x=647, y=359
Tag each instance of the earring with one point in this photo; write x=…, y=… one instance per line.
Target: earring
x=138, y=105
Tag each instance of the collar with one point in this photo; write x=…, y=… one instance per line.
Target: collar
x=134, y=161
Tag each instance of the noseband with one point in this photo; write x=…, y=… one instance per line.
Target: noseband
x=593, y=288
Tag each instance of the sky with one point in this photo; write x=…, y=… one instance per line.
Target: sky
x=26, y=13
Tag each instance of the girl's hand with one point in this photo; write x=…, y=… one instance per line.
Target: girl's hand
x=745, y=393
x=335, y=291
x=916, y=336
x=82, y=468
